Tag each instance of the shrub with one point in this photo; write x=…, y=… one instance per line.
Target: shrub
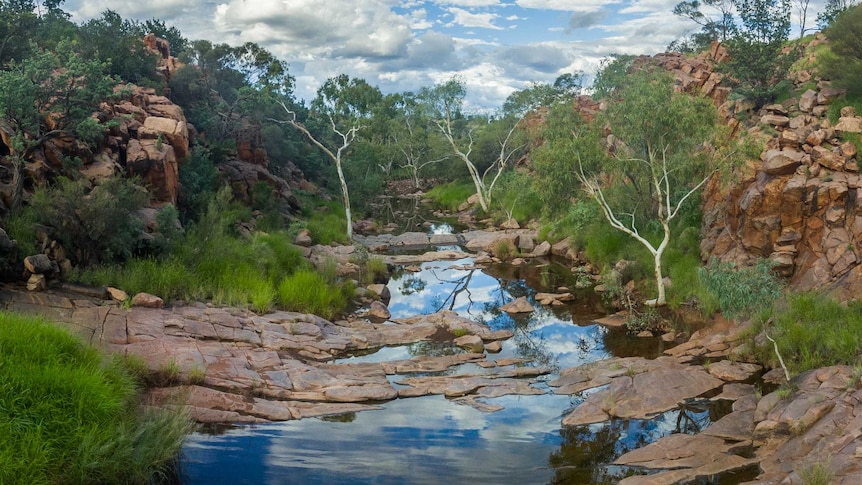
x=741, y=292
x=98, y=225
x=843, y=62
x=68, y=415
x=504, y=250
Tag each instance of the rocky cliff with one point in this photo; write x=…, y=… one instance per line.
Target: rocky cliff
x=149, y=138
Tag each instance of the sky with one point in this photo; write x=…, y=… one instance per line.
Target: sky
x=495, y=46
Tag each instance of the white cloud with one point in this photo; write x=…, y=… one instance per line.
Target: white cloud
x=419, y=20
x=467, y=19
x=566, y=5
x=468, y=3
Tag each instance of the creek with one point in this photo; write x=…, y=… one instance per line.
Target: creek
x=432, y=439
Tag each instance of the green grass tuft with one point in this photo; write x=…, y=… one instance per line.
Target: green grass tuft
x=308, y=291
x=450, y=196
x=68, y=415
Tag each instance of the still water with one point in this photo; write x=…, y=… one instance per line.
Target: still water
x=433, y=440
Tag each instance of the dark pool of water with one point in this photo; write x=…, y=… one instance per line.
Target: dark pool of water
x=435, y=440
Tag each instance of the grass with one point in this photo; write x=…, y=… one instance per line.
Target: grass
x=308, y=291
x=816, y=474
x=70, y=415
x=325, y=220
x=834, y=112
x=210, y=262
x=814, y=331
x=450, y=196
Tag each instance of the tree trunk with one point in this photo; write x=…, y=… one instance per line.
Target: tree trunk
x=345, y=197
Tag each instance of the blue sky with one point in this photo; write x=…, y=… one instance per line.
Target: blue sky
x=495, y=46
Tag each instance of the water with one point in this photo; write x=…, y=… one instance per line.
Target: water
x=435, y=440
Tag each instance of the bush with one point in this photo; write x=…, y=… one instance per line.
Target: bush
x=68, y=415
x=843, y=62
x=741, y=291
x=98, y=225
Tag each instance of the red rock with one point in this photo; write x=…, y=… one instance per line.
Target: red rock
x=147, y=300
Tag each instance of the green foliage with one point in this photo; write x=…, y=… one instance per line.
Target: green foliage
x=742, y=292
x=517, y=195
x=308, y=291
x=118, y=43
x=68, y=415
x=450, y=196
x=832, y=10
x=325, y=220
x=816, y=474
x=842, y=62
x=814, y=331
x=58, y=84
x=757, y=63
x=98, y=225
x=612, y=74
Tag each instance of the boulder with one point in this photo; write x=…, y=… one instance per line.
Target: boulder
x=542, y=249
x=37, y=282
x=38, y=264
x=519, y=305
x=380, y=291
x=303, y=238
x=117, y=294
x=379, y=311
x=781, y=162
x=849, y=124
x=147, y=300
x=808, y=101
x=510, y=224
x=470, y=343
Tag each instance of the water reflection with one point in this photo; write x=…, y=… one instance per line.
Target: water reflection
x=435, y=440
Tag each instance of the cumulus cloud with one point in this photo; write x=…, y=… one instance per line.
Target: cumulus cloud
x=164, y=9
x=465, y=18
x=566, y=5
x=344, y=28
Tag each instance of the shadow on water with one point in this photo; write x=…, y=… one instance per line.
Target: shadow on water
x=434, y=440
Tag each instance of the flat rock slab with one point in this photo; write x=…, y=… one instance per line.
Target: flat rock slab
x=733, y=371
x=408, y=259
x=617, y=320
x=518, y=305
x=643, y=395
x=496, y=384
x=600, y=373
x=687, y=457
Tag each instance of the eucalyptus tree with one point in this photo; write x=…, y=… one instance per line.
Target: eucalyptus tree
x=660, y=157
x=446, y=101
x=346, y=104
x=416, y=148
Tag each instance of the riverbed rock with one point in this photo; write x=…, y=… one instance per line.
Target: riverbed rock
x=117, y=294
x=37, y=282
x=470, y=343
x=733, y=371
x=379, y=311
x=542, y=249
x=643, y=395
x=518, y=305
x=147, y=300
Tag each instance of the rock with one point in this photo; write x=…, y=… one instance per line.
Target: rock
x=38, y=264
x=117, y=294
x=848, y=124
x=775, y=376
x=645, y=334
x=471, y=343
x=147, y=300
x=643, y=395
x=379, y=310
x=519, y=305
x=733, y=371
x=775, y=120
x=542, y=249
x=494, y=347
x=380, y=291
x=510, y=224
x=37, y=282
x=808, y=100
x=781, y=162
x=303, y=238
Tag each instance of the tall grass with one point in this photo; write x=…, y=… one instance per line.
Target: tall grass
x=69, y=415
x=814, y=331
x=308, y=291
x=450, y=196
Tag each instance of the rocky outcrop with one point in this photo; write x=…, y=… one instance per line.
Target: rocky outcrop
x=797, y=204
